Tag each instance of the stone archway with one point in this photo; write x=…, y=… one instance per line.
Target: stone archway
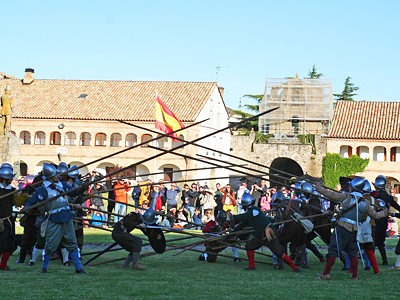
x=82, y=171
x=23, y=168
x=281, y=165
x=393, y=184
x=142, y=173
x=39, y=166
x=171, y=172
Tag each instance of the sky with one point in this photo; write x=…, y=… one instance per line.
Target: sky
x=187, y=40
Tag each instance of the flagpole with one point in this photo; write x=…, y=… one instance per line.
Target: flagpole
x=155, y=151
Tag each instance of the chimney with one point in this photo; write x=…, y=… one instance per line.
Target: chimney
x=221, y=91
x=28, y=76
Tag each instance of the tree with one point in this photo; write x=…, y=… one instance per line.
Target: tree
x=124, y=174
x=255, y=108
x=348, y=92
x=313, y=74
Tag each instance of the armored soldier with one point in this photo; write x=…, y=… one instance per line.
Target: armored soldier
x=263, y=227
x=217, y=226
x=366, y=231
x=353, y=209
x=58, y=226
x=7, y=226
x=72, y=180
x=132, y=244
x=384, y=200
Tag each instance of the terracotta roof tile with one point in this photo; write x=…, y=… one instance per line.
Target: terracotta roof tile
x=6, y=76
x=107, y=100
x=366, y=120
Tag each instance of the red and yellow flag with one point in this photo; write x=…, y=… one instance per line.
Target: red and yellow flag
x=166, y=120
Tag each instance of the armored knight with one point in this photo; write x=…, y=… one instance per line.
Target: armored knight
x=264, y=233
x=58, y=227
x=7, y=225
x=132, y=244
x=384, y=200
x=353, y=208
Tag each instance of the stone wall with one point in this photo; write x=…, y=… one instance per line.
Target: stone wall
x=266, y=153
x=9, y=151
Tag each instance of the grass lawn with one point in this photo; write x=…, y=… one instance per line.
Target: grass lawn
x=184, y=277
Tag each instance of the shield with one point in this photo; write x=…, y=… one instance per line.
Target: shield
x=156, y=239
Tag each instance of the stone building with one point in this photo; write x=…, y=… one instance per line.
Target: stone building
x=75, y=121
x=296, y=131
x=292, y=156
x=372, y=131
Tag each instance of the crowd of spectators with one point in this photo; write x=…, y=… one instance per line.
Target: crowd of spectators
x=192, y=205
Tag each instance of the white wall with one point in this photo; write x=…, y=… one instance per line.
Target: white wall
x=344, y=151
x=397, y=154
x=215, y=110
x=364, y=152
x=379, y=153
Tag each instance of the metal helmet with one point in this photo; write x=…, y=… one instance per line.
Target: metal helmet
x=73, y=172
x=62, y=168
x=6, y=173
x=358, y=184
x=149, y=216
x=380, y=182
x=247, y=199
x=279, y=196
x=6, y=165
x=367, y=187
x=49, y=171
x=221, y=217
x=297, y=189
x=307, y=188
x=380, y=176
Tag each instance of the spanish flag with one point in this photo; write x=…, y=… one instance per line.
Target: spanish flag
x=166, y=120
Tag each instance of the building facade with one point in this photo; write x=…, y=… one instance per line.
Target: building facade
x=370, y=130
x=76, y=121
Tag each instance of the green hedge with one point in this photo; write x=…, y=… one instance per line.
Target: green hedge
x=334, y=166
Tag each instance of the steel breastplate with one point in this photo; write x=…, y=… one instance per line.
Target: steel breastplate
x=56, y=203
x=355, y=213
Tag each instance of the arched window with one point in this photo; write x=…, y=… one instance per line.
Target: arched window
x=131, y=140
x=40, y=138
x=363, y=152
x=85, y=139
x=116, y=140
x=70, y=139
x=145, y=138
x=25, y=138
x=13, y=132
x=395, y=154
x=346, y=151
x=379, y=153
x=162, y=142
x=178, y=143
x=101, y=139
x=55, y=138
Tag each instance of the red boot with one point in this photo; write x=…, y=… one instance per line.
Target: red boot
x=250, y=256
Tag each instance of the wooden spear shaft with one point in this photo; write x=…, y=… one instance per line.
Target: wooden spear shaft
x=157, y=213
x=161, y=172
x=223, y=153
x=154, y=253
x=166, y=182
x=225, y=244
x=157, y=155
